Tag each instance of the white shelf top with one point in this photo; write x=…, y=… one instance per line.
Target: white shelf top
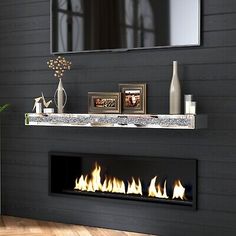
x=158, y=121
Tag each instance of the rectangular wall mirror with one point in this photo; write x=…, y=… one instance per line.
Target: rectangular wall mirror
x=94, y=25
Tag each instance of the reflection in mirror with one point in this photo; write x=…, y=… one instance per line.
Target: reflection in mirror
x=87, y=25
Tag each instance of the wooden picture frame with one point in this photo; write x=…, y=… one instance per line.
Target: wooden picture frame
x=104, y=102
x=133, y=98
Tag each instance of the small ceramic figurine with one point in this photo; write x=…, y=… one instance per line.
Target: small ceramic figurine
x=37, y=105
x=46, y=105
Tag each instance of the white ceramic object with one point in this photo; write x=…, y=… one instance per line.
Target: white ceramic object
x=175, y=92
x=193, y=108
x=187, y=103
x=38, y=106
x=48, y=110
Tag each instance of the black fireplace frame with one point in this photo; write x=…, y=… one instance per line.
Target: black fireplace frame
x=163, y=202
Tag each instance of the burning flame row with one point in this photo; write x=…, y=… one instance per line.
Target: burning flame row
x=115, y=185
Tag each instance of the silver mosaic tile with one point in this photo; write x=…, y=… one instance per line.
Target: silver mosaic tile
x=110, y=120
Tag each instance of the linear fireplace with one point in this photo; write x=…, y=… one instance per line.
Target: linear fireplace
x=167, y=181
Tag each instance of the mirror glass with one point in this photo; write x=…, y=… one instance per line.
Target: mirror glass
x=88, y=25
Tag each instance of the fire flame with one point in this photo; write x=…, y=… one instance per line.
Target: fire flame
x=118, y=186
x=90, y=184
x=93, y=183
x=157, y=191
x=134, y=188
x=179, y=191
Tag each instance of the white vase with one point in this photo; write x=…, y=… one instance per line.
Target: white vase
x=60, y=97
x=175, y=92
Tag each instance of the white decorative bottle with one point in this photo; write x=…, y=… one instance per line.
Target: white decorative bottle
x=175, y=92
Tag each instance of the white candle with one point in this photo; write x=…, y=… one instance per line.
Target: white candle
x=38, y=107
x=187, y=101
x=193, y=108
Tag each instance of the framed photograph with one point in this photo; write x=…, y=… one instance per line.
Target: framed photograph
x=133, y=98
x=104, y=102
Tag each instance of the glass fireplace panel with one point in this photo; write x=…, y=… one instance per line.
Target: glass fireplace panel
x=140, y=178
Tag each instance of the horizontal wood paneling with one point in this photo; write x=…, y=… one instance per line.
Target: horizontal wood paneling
x=155, y=88
x=208, y=72
x=23, y=10
x=218, y=6
x=28, y=50
x=22, y=24
x=25, y=37
x=219, y=39
x=17, y=2
x=219, y=22
x=163, y=150
x=150, y=212
x=152, y=73
x=202, y=138
x=164, y=214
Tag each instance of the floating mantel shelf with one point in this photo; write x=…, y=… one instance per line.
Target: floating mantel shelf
x=118, y=120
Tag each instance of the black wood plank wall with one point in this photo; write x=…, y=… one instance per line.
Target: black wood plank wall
x=208, y=72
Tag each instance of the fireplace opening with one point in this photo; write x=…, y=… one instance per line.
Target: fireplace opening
x=153, y=179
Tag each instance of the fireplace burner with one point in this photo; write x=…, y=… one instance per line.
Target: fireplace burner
x=152, y=179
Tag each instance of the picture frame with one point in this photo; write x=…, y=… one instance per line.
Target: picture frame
x=133, y=98
x=104, y=102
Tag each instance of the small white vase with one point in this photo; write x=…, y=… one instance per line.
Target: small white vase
x=60, y=97
x=175, y=92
